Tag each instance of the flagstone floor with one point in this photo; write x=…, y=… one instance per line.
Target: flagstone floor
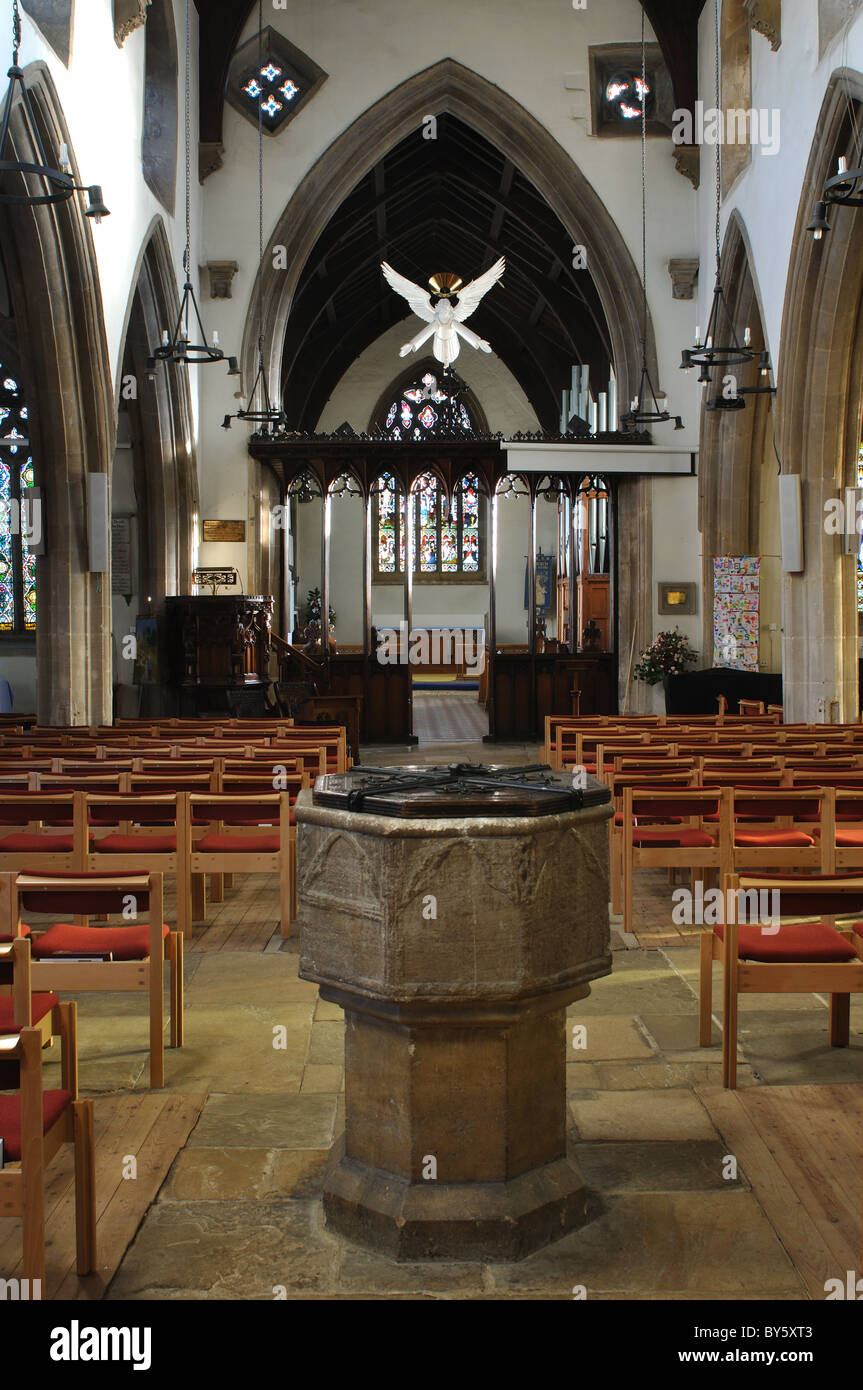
x=699, y=1193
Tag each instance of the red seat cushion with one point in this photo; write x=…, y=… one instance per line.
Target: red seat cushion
x=135, y=844
x=687, y=838
x=25, y=931
x=239, y=844
x=849, y=838
x=28, y=842
x=773, y=838
x=125, y=943
x=794, y=941
x=53, y=1105
x=40, y=1005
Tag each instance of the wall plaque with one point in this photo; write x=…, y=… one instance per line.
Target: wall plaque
x=223, y=531
x=121, y=555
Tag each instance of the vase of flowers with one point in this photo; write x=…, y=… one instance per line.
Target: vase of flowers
x=667, y=655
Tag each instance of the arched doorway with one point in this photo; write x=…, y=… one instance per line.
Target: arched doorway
x=819, y=407
x=56, y=301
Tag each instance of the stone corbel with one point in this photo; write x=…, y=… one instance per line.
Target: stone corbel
x=686, y=160
x=129, y=15
x=765, y=17
x=210, y=159
x=684, y=277
x=221, y=275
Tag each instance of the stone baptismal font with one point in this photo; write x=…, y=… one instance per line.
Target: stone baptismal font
x=454, y=913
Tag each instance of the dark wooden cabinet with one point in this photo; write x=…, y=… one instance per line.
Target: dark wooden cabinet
x=524, y=689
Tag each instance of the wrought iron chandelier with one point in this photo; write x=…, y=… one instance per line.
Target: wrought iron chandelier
x=843, y=189
x=645, y=408
x=49, y=185
x=712, y=353
x=178, y=346
x=266, y=414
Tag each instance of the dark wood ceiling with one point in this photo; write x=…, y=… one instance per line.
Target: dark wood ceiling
x=453, y=203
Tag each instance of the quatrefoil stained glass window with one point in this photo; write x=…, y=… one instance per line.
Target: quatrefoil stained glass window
x=272, y=76
x=423, y=409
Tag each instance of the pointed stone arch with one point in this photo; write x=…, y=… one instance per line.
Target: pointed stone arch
x=163, y=423
x=732, y=444
x=58, y=307
x=449, y=86
x=819, y=408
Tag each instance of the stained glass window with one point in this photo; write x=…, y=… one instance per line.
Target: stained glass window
x=17, y=523
x=270, y=76
x=425, y=408
x=449, y=535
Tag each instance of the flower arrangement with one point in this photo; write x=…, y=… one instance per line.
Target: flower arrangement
x=313, y=608
x=667, y=655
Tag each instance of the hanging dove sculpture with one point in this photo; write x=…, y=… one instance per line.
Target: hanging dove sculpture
x=445, y=320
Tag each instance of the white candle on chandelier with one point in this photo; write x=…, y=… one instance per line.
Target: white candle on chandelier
x=64, y=158
x=709, y=343
x=843, y=164
x=697, y=336
x=747, y=337
x=165, y=338
x=215, y=339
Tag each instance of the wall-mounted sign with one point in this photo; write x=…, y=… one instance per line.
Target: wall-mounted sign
x=121, y=555
x=222, y=531
x=677, y=599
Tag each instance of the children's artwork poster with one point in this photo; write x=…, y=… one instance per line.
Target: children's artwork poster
x=736, y=580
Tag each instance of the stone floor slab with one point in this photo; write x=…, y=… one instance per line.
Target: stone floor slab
x=641, y=1115
x=265, y=1121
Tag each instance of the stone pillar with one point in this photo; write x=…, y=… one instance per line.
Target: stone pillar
x=454, y=947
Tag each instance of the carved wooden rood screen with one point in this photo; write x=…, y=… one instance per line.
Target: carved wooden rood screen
x=524, y=681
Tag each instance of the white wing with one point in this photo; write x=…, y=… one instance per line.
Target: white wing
x=418, y=298
x=470, y=296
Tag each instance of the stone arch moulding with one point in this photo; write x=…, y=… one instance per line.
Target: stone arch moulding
x=731, y=443
x=449, y=86
x=58, y=308
x=163, y=417
x=159, y=137
x=819, y=406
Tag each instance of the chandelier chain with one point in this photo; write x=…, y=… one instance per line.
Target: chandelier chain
x=16, y=32
x=643, y=197
x=187, y=253
x=717, y=228
x=260, y=193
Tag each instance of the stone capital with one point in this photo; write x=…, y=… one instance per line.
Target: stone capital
x=684, y=276
x=221, y=275
x=765, y=17
x=129, y=15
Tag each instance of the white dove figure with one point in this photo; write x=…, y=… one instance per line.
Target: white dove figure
x=445, y=320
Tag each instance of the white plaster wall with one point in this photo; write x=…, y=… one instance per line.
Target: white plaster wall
x=676, y=557
x=506, y=407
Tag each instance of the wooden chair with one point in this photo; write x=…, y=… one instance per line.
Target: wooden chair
x=773, y=829
x=70, y=957
x=141, y=834
x=682, y=845
x=246, y=835
x=750, y=707
x=34, y=1124
x=801, y=957
x=46, y=834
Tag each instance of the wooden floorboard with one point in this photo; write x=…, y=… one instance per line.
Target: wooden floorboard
x=152, y=1128
x=800, y=1149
